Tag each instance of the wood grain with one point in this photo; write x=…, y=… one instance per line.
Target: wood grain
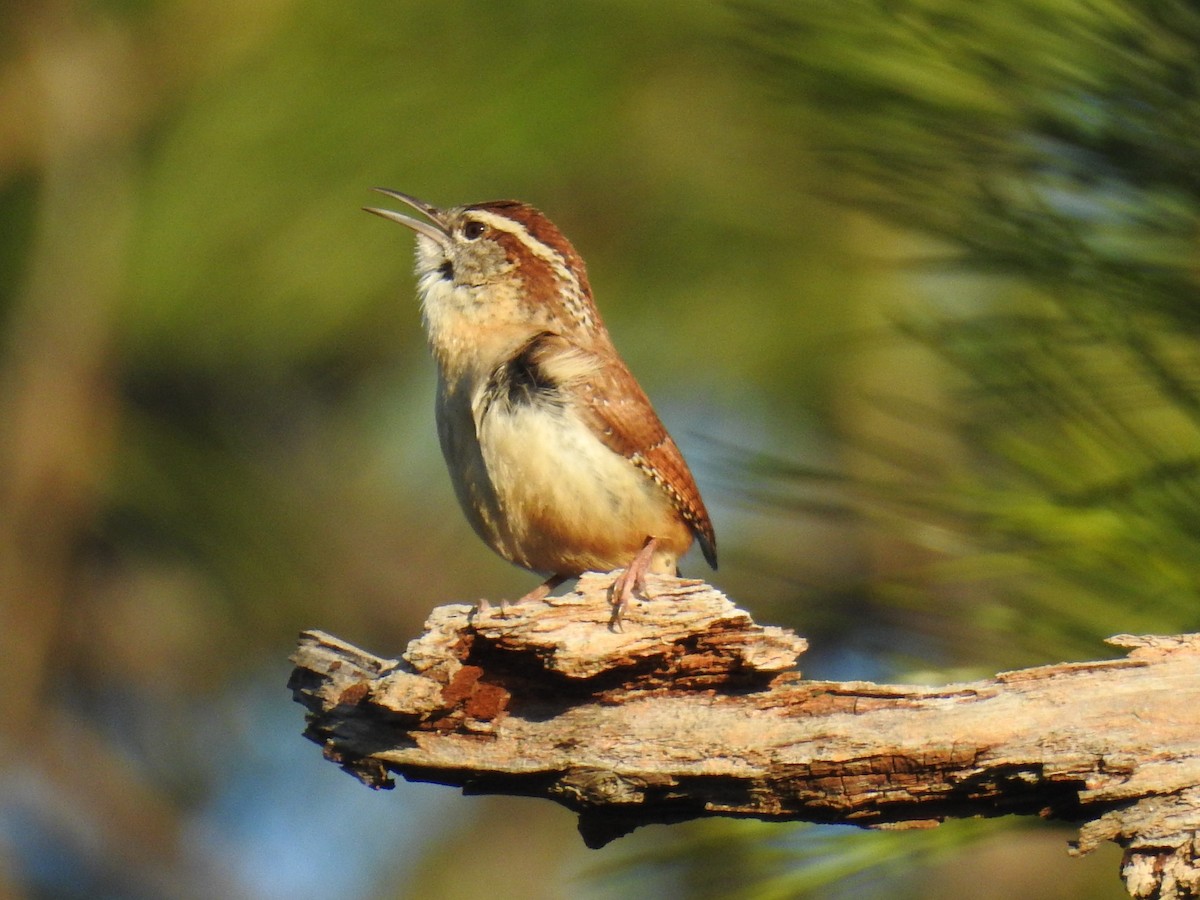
x=694, y=710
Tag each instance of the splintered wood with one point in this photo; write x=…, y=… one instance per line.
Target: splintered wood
x=694, y=710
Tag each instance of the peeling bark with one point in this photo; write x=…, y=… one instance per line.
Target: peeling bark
x=694, y=710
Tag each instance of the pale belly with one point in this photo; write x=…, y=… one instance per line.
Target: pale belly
x=546, y=494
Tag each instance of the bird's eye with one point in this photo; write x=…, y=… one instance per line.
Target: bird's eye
x=473, y=229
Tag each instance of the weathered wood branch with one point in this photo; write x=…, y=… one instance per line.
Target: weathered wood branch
x=693, y=710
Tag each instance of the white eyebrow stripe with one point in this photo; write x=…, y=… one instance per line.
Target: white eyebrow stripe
x=574, y=298
x=542, y=251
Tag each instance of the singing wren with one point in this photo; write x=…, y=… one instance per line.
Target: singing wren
x=557, y=457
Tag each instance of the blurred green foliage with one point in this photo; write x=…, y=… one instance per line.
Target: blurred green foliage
x=913, y=283
x=1046, y=151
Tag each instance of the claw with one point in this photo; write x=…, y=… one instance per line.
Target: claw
x=632, y=580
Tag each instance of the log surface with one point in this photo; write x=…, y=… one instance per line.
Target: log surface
x=694, y=710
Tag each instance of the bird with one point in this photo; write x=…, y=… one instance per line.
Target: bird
x=557, y=457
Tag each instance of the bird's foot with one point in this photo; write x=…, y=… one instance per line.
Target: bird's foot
x=482, y=609
x=632, y=580
x=541, y=592
x=537, y=595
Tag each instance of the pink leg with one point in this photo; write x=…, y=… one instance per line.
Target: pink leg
x=631, y=580
x=542, y=591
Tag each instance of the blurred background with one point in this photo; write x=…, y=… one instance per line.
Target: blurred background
x=913, y=284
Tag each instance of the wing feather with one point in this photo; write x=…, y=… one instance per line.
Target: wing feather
x=621, y=415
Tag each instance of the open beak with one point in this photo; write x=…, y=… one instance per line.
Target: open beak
x=433, y=229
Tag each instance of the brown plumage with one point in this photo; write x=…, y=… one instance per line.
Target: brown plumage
x=557, y=457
